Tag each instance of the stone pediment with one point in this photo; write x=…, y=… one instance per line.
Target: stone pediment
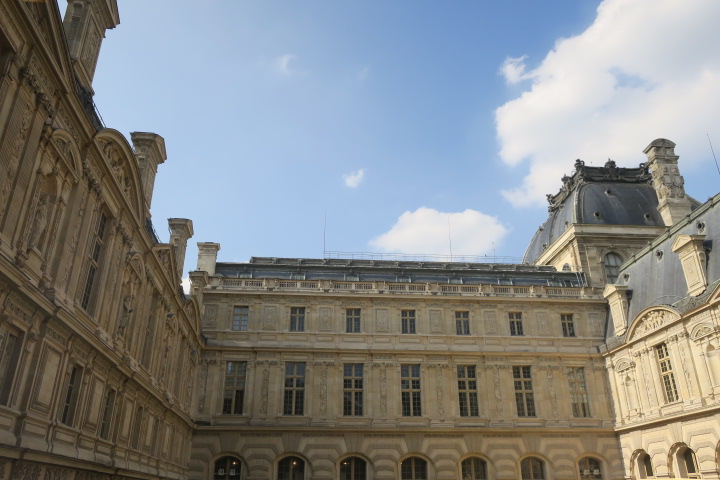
x=623, y=364
x=650, y=320
x=702, y=330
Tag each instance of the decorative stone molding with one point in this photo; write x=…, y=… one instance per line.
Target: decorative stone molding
x=650, y=320
x=693, y=259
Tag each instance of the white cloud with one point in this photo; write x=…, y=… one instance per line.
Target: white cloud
x=644, y=69
x=353, y=179
x=513, y=69
x=185, y=282
x=282, y=64
x=425, y=231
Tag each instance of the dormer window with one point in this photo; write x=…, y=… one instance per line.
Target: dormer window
x=612, y=267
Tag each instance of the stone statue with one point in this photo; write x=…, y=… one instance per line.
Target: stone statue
x=40, y=221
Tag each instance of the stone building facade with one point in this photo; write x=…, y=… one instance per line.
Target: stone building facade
x=91, y=314
x=597, y=358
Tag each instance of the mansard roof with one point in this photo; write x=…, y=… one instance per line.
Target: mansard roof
x=607, y=195
x=403, y=271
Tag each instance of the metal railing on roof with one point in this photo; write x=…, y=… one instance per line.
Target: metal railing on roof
x=396, y=257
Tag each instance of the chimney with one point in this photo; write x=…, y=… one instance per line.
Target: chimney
x=207, y=257
x=617, y=297
x=673, y=204
x=149, y=153
x=181, y=229
x=85, y=24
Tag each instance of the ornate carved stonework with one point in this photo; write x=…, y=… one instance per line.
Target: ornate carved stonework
x=651, y=321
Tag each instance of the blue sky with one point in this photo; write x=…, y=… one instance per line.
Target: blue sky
x=402, y=121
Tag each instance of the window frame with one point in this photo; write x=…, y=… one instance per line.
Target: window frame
x=585, y=465
x=106, y=420
x=9, y=357
x=411, y=390
x=72, y=394
x=353, y=389
x=668, y=383
x=227, y=471
x=94, y=259
x=471, y=463
x=516, y=324
x=352, y=320
x=462, y=322
x=297, y=319
x=293, y=461
x=408, y=321
x=524, y=393
x=240, y=318
x=612, y=263
x=416, y=465
x=236, y=371
x=577, y=386
x=294, y=389
x=356, y=465
x=567, y=323
x=533, y=464
x=467, y=383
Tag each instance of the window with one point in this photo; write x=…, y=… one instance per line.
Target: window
x=291, y=468
x=532, y=468
x=568, y=326
x=516, y=326
x=9, y=348
x=413, y=468
x=240, y=318
x=106, y=420
x=227, y=468
x=234, y=396
x=408, y=321
x=523, y=392
x=353, y=468
x=297, y=319
x=137, y=424
x=645, y=468
x=353, y=389
x=71, y=396
x=462, y=323
x=294, y=388
x=666, y=374
x=474, y=468
x=467, y=391
x=578, y=392
x=589, y=468
x=352, y=320
x=687, y=464
x=96, y=242
x=410, y=390
x=612, y=267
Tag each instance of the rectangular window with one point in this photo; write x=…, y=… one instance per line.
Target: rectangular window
x=578, y=392
x=524, y=398
x=240, y=318
x=516, y=326
x=96, y=242
x=467, y=390
x=297, y=319
x=568, y=326
x=352, y=320
x=137, y=425
x=71, y=396
x=107, y=414
x=353, y=389
x=462, y=323
x=666, y=374
x=9, y=346
x=410, y=390
x=408, y=321
x=294, y=400
x=234, y=395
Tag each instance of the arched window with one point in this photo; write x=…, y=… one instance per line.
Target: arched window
x=413, y=468
x=227, y=468
x=612, y=267
x=644, y=466
x=532, y=468
x=291, y=468
x=686, y=462
x=474, y=468
x=353, y=468
x=590, y=468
